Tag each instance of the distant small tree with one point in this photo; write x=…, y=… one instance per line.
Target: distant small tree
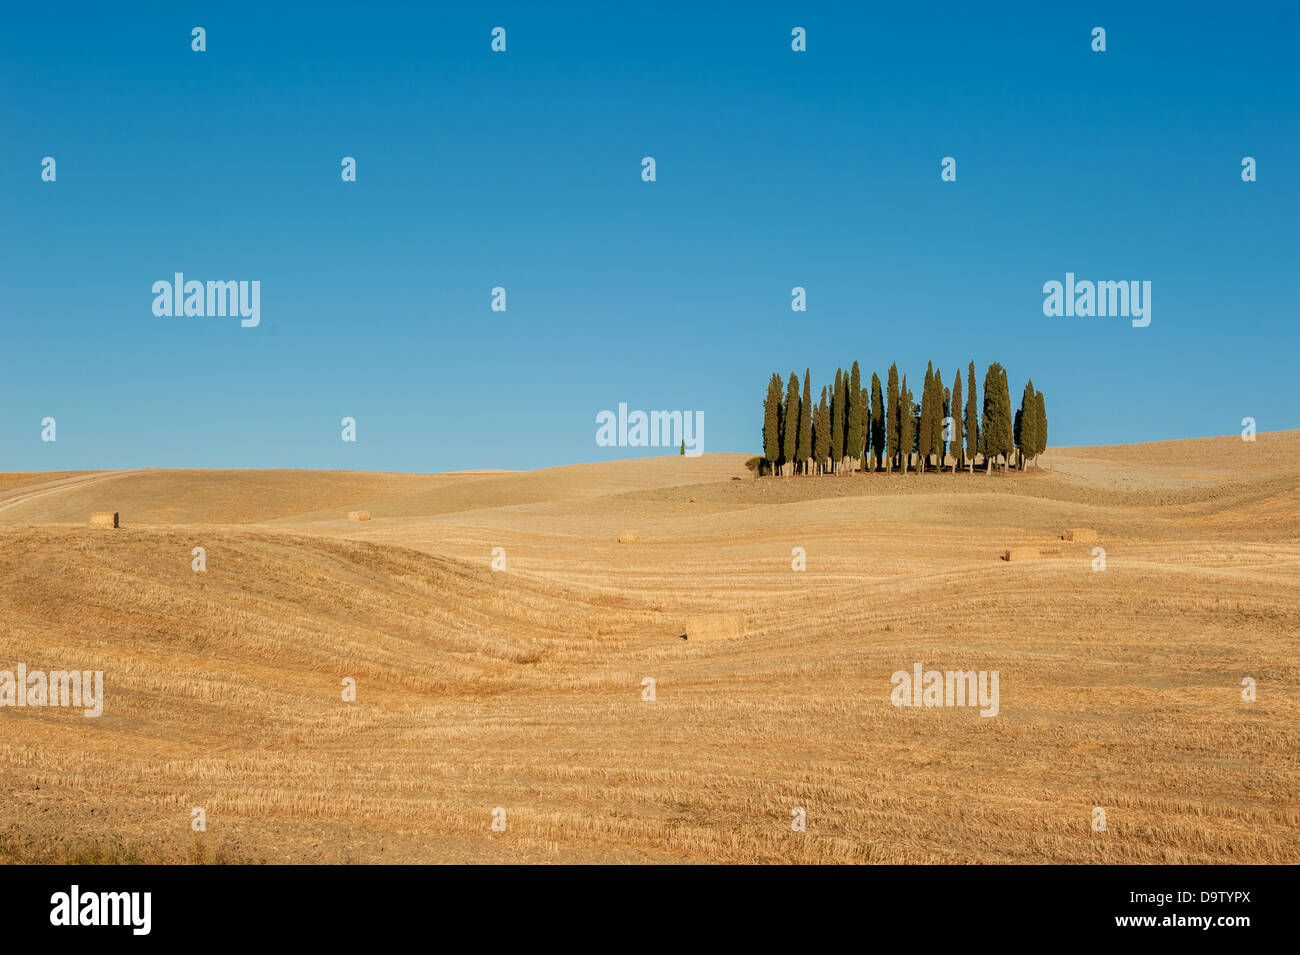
x=683, y=447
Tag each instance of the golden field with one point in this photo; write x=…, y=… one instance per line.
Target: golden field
x=522, y=688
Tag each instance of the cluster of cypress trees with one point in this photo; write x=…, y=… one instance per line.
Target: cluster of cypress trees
x=852, y=428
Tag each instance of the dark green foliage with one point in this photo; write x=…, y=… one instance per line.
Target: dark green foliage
x=925, y=429
x=865, y=440
x=772, y=420
x=996, y=423
x=893, y=418
x=853, y=428
x=1040, y=439
x=955, y=410
x=972, y=418
x=837, y=420
x=1025, y=426
x=906, y=424
x=941, y=399
x=876, y=432
x=804, y=449
x=822, y=432
x=790, y=421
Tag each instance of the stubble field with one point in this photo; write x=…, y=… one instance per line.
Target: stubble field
x=521, y=689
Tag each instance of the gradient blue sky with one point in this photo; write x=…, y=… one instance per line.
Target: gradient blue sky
x=522, y=170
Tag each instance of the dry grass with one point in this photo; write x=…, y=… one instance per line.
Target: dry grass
x=522, y=689
x=715, y=626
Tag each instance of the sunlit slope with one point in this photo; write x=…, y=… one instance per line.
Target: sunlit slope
x=522, y=688
x=1179, y=464
x=244, y=497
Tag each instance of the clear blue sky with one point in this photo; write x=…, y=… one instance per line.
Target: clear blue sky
x=522, y=170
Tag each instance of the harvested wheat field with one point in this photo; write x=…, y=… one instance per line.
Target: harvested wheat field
x=522, y=689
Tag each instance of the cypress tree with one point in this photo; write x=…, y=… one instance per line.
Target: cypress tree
x=1004, y=400
x=845, y=409
x=1036, y=428
x=972, y=419
x=945, y=422
x=906, y=425
x=958, y=459
x=853, y=433
x=805, y=422
x=1025, y=428
x=940, y=412
x=837, y=421
x=864, y=439
x=877, y=442
x=1040, y=420
x=916, y=425
x=894, y=420
x=1017, y=422
x=822, y=433
x=817, y=433
x=996, y=423
x=790, y=425
x=778, y=465
x=925, y=433
x=772, y=421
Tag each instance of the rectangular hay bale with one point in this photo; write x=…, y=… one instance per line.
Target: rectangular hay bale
x=104, y=519
x=715, y=626
x=628, y=537
x=358, y=515
x=1078, y=534
x=1021, y=553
